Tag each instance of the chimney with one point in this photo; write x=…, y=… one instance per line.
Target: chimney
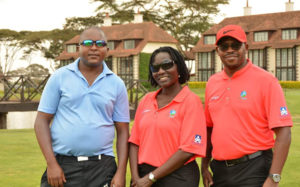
x=138, y=18
x=247, y=10
x=107, y=21
x=289, y=6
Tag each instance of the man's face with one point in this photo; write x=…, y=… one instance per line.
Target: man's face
x=92, y=55
x=232, y=53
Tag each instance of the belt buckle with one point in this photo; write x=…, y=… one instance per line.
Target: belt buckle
x=229, y=164
x=82, y=158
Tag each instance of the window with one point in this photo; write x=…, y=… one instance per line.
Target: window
x=108, y=62
x=258, y=57
x=209, y=39
x=125, y=68
x=289, y=34
x=260, y=36
x=71, y=48
x=129, y=44
x=286, y=64
x=65, y=62
x=111, y=45
x=206, y=66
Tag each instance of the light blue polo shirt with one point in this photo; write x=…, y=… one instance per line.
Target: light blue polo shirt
x=84, y=115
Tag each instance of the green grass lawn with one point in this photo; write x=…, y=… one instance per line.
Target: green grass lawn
x=22, y=163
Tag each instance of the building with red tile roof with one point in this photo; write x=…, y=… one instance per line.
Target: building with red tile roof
x=128, y=44
x=273, y=39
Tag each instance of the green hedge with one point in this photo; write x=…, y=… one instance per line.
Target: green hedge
x=284, y=84
x=290, y=84
x=197, y=84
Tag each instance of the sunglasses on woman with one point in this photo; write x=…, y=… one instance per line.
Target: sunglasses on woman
x=235, y=46
x=90, y=43
x=165, y=65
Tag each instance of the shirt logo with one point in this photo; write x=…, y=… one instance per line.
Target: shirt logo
x=283, y=111
x=227, y=31
x=243, y=95
x=214, y=98
x=197, y=139
x=172, y=113
x=146, y=110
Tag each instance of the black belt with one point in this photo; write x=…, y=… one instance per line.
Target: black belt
x=245, y=158
x=79, y=158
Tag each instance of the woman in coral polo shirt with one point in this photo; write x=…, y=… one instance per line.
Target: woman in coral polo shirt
x=169, y=130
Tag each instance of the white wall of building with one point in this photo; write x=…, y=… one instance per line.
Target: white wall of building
x=21, y=120
x=150, y=47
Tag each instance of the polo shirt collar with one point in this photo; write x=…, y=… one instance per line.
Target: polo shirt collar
x=74, y=67
x=239, y=72
x=179, y=97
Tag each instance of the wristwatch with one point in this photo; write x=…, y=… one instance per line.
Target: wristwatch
x=275, y=177
x=151, y=177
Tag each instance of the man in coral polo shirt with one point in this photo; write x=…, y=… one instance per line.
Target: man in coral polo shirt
x=244, y=107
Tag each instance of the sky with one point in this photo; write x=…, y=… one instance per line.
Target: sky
x=35, y=15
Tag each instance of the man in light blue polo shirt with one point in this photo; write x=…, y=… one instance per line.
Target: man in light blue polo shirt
x=86, y=102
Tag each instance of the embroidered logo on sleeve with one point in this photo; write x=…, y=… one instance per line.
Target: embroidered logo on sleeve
x=172, y=113
x=197, y=139
x=283, y=111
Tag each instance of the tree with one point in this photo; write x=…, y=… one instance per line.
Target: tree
x=81, y=23
x=9, y=49
x=184, y=19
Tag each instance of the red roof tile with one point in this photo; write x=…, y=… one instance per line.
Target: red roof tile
x=273, y=23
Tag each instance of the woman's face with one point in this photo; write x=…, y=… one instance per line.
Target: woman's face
x=164, y=70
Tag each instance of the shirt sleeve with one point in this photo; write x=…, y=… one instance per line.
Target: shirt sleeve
x=135, y=135
x=276, y=108
x=193, y=128
x=51, y=95
x=121, y=108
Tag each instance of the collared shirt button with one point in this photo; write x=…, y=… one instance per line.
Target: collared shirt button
x=228, y=88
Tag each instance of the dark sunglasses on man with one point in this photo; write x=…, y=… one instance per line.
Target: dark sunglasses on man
x=90, y=43
x=165, y=65
x=235, y=46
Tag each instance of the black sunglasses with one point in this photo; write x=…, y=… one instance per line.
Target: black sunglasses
x=235, y=46
x=165, y=65
x=90, y=43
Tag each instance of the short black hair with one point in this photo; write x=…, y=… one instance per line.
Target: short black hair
x=102, y=34
x=178, y=59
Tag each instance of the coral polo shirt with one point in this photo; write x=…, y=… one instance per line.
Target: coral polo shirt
x=160, y=133
x=242, y=111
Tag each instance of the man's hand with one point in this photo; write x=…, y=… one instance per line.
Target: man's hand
x=270, y=183
x=118, y=180
x=144, y=182
x=207, y=177
x=55, y=175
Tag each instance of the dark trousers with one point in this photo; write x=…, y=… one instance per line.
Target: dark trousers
x=251, y=173
x=186, y=176
x=94, y=173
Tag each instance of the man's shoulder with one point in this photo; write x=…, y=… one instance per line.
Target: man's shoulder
x=261, y=74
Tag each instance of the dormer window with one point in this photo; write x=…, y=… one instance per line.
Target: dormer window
x=111, y=45
x=289, y=34
x=209, y=39
x=71, y=48
x=261, y=36
x=129, y=44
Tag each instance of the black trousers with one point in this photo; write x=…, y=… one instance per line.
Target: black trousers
x=251, y=173
x=96, y=173
x=186, y=176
